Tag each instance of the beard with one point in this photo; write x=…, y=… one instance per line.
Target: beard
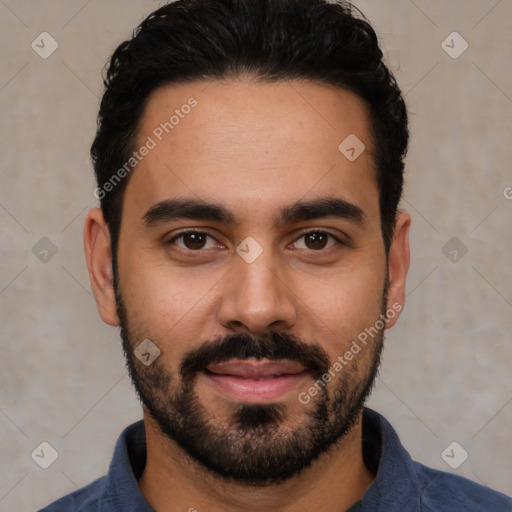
x=258, y=445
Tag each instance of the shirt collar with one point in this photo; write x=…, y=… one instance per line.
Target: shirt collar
x=126, y=467
x=396, y=484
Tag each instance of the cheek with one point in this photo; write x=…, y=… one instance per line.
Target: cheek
x=169, y=304
x=344, y=305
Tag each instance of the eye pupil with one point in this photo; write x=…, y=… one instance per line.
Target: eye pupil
x=318, y=240
x=193, y=240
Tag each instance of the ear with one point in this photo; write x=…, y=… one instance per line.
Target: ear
x=398, y=266
x=99, y=263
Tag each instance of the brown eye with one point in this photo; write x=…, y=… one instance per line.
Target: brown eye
x=316, y=241
x=192, y=240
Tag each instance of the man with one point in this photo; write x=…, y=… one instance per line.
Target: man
x=249, y=161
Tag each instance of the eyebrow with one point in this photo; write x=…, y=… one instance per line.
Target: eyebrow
x=199, y=209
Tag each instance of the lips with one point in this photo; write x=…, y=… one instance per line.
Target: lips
x=255, y=381
x=256, y=369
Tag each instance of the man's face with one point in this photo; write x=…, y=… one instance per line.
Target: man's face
x=251, y=311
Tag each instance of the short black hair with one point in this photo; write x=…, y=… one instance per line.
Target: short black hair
x=325, y=41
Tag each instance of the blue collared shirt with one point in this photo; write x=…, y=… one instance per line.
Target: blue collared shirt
x=400, y=485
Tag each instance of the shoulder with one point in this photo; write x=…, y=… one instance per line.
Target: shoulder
x=86, y=499
x=443, y=491
x=405, y=484
x=118, y=490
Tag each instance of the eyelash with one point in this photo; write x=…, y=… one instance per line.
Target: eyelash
x=315, y=231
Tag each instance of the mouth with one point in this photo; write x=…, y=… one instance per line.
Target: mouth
x=255, y=381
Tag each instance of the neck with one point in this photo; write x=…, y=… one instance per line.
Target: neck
x=172, y=482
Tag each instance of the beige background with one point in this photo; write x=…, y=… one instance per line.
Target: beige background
x=446, y=371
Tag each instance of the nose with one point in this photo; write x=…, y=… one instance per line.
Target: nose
x=256, y=297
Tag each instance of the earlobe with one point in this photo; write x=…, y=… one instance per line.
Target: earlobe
x=99, y=263
x=398, y=265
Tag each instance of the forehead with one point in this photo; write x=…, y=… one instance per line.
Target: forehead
x=243, y=142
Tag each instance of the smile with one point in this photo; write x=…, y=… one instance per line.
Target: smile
x=255, y=381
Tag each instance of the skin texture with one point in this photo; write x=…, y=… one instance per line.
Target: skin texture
x=254, y=148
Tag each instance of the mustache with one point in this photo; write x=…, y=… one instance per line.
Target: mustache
x=274, y=346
